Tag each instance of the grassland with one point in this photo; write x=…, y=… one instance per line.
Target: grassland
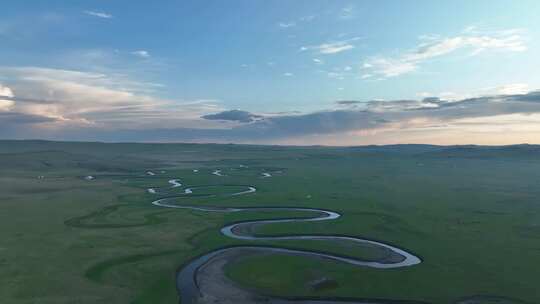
x=471, y=213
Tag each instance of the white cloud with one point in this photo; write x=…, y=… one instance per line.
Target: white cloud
x=141, y=53
x=99, y=14
x=288, y=74
x=424, y=94
x=286, y=24
x=331, y=47
x=513, y=88
x=504, y=89
x=391, y=67
x=476, y=43
x=318, y=61
x=431, y=47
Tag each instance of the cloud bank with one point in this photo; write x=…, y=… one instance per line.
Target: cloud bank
x=73, y=105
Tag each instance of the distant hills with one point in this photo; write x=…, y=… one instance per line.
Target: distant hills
x=456, y=151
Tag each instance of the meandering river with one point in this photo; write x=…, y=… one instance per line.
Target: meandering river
x=203, y=280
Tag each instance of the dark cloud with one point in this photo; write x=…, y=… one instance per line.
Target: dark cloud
x=317, y=123
x=270, y=128
x=484, y=106
x=29, y=100
x=532, y=97
x=233, y=115
x=349, y=102
x=15, y=125
x=21, y=118
x=399, y=104
x=376, y=114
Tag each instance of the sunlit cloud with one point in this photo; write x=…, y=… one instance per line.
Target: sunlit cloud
x=84, y=98
x=6, y=105
x=5, y=98
x=49, y=98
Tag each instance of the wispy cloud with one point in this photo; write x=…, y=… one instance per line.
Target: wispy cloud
x=293, y=23
x=141, y=53
x=471, y=40
x=332, y=47
x=347, y=12
x=99, y=14
x=387, y=67
x=338, y=72
x=286, y=24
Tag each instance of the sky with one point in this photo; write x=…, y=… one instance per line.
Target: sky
x=302, y=72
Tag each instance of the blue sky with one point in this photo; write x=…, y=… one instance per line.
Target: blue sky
x=344, y=72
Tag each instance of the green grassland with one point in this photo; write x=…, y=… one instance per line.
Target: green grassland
x=471, y=213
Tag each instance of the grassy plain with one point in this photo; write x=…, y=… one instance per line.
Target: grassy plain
x=471, y=213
